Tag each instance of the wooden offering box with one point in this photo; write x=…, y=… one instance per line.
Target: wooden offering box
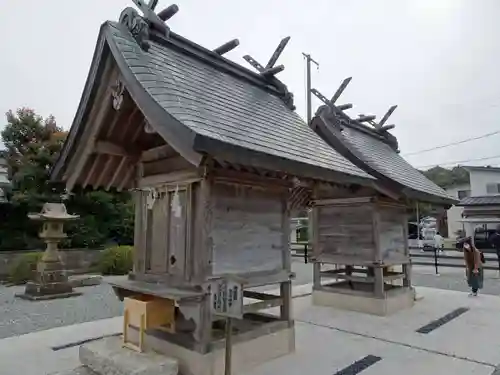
x=146, y=312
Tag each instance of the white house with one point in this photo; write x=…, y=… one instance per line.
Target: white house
x=479, y=198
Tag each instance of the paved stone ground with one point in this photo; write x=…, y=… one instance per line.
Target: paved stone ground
x=454, y=282
x=462, y=346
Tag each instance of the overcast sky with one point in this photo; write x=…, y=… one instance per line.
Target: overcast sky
x=437, y=59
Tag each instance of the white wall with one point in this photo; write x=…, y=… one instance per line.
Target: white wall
x=454, y=214
x=3, y=172
x=479, y=180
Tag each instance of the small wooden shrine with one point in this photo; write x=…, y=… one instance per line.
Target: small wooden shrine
x=363, y=241
x=217, y=159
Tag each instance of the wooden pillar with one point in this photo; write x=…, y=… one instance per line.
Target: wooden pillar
x=407, y=273
x=378, y=272
x=314, y=241
x=139, y=249
x=407, y=266
x=379, y=282
x=286, y=287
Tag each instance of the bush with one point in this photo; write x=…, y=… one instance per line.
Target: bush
x=116, y=260
x=24, y=267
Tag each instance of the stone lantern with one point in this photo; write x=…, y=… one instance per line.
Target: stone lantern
x=51, y=279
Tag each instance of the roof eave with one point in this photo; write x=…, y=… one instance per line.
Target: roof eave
x=89, y=91
x=333, y=136
x=177, y=134
x=247, y=157
x=429, y=198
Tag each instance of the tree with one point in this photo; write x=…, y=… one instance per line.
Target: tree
x=32, y=147
x=447, y=177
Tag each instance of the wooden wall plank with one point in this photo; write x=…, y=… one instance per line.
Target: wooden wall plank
x=159, y=250
x=247, y=229
x=177, y=233
x=345, y=230
x=139, y=233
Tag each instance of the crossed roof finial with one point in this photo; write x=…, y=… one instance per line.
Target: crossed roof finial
x=140, y=26
x=380, y=127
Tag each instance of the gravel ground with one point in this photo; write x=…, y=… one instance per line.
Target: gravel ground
x=18, y=316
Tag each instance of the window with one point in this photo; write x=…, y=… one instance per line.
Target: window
x=493, y=188
x=463, y=194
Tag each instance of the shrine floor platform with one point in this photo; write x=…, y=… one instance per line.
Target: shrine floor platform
x=446, y=332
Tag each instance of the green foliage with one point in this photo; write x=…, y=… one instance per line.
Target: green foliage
x=32, y=147
x=116, y=260
x=447, y=177
x=24, y=267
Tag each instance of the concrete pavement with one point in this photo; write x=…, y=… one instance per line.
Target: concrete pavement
x=328, y=341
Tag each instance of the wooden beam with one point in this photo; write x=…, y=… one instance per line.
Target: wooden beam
x=340, y=90
x=387, y=115
x=126, y=177
x=166, y=165
x=128, y=123
x=226, y=47
x=387, y=127
x=168, y=12
x=118, y=170
x=109, y=148
x=343, y=107
x=168, y=178
x=156, y=153
x=277, y=53
x=91, y=172
x=104, y=171
x=272, y=71
x=363, y=118
x=250, y=178
x=136, y=133
x=114, y=122
x=103, y=100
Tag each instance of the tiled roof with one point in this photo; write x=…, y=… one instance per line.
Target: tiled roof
x=382, y=157
x=211, y=105
x=224, y=107
x=487, y=200
x=376, y=152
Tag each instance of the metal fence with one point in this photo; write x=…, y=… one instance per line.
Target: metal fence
x=300, y=250
x=449, y=258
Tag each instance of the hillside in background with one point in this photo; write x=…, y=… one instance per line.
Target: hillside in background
x=447, y=177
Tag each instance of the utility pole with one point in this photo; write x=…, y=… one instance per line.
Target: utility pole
x=309, y=60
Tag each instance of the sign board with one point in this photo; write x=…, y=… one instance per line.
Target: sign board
x=226, y=298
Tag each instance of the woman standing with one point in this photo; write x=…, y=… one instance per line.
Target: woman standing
x=473, y=266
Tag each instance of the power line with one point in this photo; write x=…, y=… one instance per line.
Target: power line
x=459, y=161
x=454, y=143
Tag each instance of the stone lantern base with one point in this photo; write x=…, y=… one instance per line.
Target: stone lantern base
x=51, y=282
